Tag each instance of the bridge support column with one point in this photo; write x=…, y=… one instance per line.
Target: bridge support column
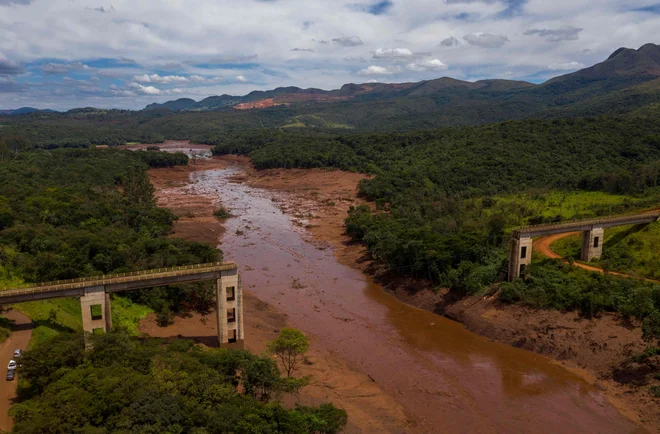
x=96, y=314
x=592, y=245
x=520, y=255
x=229, y=305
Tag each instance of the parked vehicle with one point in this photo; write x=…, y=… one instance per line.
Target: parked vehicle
x=10, y=375
x=18, y=353
x=12, y=365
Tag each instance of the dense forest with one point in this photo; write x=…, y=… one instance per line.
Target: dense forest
x=71, y=213
x=129, y=385
x=447, y=199
x=68, y=213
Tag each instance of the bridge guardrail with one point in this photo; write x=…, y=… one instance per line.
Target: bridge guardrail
x=61, y=285
x=569, y=224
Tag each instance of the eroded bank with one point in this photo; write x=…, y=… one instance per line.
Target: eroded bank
x=441, y=374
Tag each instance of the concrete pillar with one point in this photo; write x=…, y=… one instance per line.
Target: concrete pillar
x=221, y=310
x=239, y=312
x=229, y=299
x=108, y=313
x=520, y=255
x=592, y=245
x=94, y=298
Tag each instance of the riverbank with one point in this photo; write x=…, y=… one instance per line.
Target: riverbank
x=370, y=409
x=435, y=371
x=596, y=349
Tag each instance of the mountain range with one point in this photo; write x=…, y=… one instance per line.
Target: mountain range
x=23, y=111
x=627, y=80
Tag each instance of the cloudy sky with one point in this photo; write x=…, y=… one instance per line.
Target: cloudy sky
x=62, y=54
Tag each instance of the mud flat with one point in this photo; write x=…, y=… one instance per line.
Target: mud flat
x=434, y=375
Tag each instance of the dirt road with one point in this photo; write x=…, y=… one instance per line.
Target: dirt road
x=543, y=245
x=19, y=339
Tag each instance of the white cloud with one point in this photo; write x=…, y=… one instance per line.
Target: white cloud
x=145, y=90
x=392, y=53
x=61, y=37
x=569, y=66
x=241, y=79
x=377, y=70
x=157, y=79
x=201, y=79
x=428, y=65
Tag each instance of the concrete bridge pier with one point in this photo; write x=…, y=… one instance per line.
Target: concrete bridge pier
x=592, y=245
x=96, y=312
x=520, y=255
x=229, y=305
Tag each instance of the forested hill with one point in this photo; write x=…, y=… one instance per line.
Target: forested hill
x=627, y=80
x=627, y=83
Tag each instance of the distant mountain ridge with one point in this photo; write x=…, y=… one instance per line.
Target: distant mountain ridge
x=291, y=95
x=627, y=82
x=22, y=111
x=624, y=68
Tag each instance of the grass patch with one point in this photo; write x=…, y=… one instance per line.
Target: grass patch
x=535, y=207
x=314, y=121
x=627, y=249
x=127, y=315
x=52, y=317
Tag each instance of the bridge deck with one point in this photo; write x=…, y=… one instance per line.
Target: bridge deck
x=585, y=225
x=115, y=282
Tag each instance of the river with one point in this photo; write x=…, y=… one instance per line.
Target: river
x=449, y=379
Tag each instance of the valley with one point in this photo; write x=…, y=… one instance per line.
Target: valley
x=377, y=231
x=444, y=354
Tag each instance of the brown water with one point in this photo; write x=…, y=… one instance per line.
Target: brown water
x=448, y=379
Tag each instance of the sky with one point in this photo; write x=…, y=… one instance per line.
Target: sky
x=61, y=54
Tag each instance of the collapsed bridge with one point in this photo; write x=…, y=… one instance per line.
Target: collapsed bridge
x=520, y=252
x=94, y=293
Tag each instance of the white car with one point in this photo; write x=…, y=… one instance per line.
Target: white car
x=12, y=365
x=18, y=353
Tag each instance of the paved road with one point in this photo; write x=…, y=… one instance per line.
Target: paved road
x=18, y=339
x=543, y=246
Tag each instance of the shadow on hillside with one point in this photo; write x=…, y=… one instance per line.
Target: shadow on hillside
x=51, y=325
x=616, y=239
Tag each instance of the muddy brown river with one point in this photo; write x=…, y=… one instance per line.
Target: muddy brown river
x=450, y=380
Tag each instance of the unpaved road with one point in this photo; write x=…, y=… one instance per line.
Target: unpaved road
x=19, y=339
x=543, y=245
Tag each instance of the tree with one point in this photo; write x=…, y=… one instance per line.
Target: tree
x=651, y=327
x=290, y=348
x=16, y=143
x=4, y=151
x=137, y=187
